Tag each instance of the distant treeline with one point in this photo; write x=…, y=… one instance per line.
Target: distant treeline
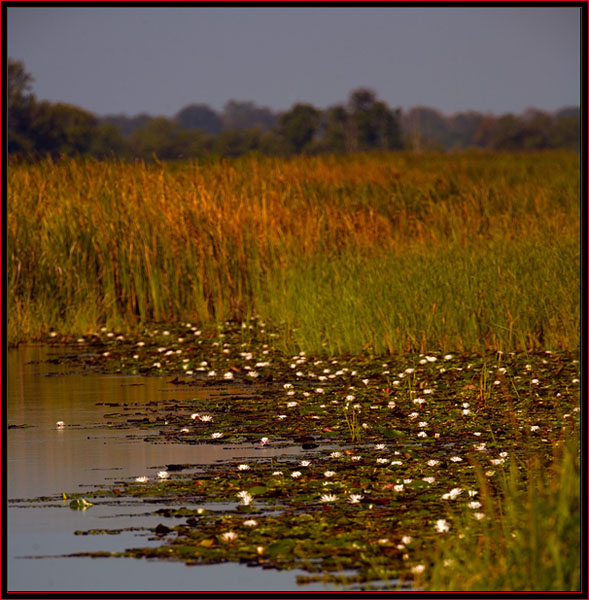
x=364, y=123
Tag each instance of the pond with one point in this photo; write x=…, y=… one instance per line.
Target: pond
x=43, y=461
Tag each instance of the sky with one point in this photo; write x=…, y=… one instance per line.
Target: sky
x=158, y=60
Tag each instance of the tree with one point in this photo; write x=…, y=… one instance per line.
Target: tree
x=373, y=125
x=299, y=125
x=158, y=137
x=199, y=116
x=337, y=130
x=61, y=129
x=246, y=115
x=236, y=142
x=19, y=103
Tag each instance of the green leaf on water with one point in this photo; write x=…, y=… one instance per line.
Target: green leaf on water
x=80, y=504
x=284, y=546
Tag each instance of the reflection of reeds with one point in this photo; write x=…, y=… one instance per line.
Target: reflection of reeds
x=379, y=252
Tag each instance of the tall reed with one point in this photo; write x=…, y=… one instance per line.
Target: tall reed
x=530, y=536
x=384, y=251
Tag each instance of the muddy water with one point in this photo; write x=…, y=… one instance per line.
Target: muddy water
x=44, y=460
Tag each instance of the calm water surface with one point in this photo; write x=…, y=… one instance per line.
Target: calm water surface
x=44, y=460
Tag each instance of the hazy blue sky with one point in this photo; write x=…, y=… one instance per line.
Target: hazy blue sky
x=158, y=60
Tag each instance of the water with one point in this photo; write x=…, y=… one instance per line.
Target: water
x=43, y=460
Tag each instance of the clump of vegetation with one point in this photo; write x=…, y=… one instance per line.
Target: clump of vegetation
x=380, y=253
x=530, y=538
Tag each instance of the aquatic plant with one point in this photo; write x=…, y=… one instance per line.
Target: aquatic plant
x=378, y=253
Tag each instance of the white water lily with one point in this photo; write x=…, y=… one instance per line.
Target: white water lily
x=243, y=467
x=163, y=474
x=142, y=479
x=328, y=498
x=217, y=435
x=452, y=494
x=250, y=523
x=229, y=536
x=245, y=498
x=442, y=525
x=355, y=498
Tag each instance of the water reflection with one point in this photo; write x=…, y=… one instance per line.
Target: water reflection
x=45, y=460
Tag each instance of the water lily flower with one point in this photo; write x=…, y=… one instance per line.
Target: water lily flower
x=329, y=473
x=305, y=463
x=452, y=494
x=228, y=375
x=229, y=536
x=380, y=446
x=478, y=516
x=277, y=474
x=264, y=441
x=335, y=454
x=142, y=479
x=295, y=474
x=456, y=459
x=355, y=498
x=442, y=525
x=245, y=498
x=429, y=479
x=243, y=467
x=206, y=418
x=433, y=462
x=250, y=523
x=217, y=435
x=399, y=487
x=474, y=504
x=406, y=539
x=163, y=474
x=417, y=569
x=328, y=498
x=60, y=424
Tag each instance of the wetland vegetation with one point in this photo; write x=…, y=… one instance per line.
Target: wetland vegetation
x=410, y=322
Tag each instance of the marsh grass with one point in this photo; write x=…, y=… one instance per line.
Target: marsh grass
x=530, y=538
x=378, y=253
